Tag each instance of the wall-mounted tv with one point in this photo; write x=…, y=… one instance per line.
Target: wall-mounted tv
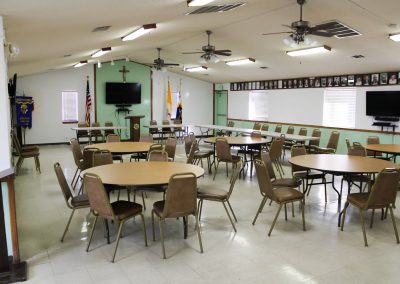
x=383, y=103
x=123, y=93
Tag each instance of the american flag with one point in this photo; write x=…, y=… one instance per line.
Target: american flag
x=88, y=103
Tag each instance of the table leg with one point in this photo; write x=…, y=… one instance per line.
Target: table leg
x=185, y=229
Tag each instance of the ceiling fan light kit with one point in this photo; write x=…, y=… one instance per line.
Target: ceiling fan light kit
x=139, y=32
x=395, y=37
x=101, y=52
x=309, y=51
x=191, y=3
x=240, y=61
x=196, y=69
x=208, y=58
x=81, y=63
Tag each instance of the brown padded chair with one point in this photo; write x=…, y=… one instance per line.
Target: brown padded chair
x=27, y=152
x=223, y=153
x=314, y=143
x=96, y=133
x=108, y=131
x=278, y=128
x=110, y=138
x=155, y=132
x=170, y=148
x=166, y=131
x=213, y=193
x=373, y=140
x=180, y=201
x=281, y=195
x=199, y=155
x=73, y=202
x=381, y=196
x=290, y=130
x=275, y=153
x=78, y=159
x=82, y=133
x=265, y=127
x=118, y=211
x=330, y=148
x=353, y=179
x=190, y=156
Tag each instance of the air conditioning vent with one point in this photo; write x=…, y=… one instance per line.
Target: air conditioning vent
x=339, y=29
x=101, y=29
x=216, y=8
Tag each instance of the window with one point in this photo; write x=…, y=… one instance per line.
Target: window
x=258, y=106
x=339, y=107
x=69, y=106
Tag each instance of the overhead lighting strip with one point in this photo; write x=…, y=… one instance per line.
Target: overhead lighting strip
x=139, y=32
x=309, y=51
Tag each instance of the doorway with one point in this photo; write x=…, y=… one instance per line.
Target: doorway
x=221, y=107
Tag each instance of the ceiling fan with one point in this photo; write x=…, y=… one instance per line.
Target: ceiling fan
x=210, y=53
x=159, y=63
x=301, y=29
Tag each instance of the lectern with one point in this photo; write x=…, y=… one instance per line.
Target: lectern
x=134, y=126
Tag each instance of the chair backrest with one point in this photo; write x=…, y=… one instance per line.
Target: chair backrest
x=264, y=181
x=102, y=157
x=223, y=150
x=230, y=124
x=290, y=130
x=357, y=151
x=268, y=164
x=15, y=142
x=303, y=131
x=153, y=130
x=146, y=138
x=316, y=133
x=166, y=122
x=170, y=147
x=62, y=181
x=108, y=131
x=264, y=127
x=96, y=132
x=257, y=126
x=113, y=138
x=76, y=151
x=181, y=196
x=192, y=150
x=333, y=140
x=256, y=134
x=98, y=197
x=275, y=151
x=384, y=190
x=298, y=150
x=88, y=157
x=153, y=147
x=188, y=143
x=158, y=156
x=82, y=132
x=373, y=140
x=235, y=176
x=278, y=128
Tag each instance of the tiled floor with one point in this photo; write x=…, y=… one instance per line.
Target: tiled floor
x=322, y=254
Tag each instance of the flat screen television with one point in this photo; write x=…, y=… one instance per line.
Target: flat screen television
x=123, y=93
x=383, y=103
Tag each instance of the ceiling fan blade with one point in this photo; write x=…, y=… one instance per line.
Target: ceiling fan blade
x=171, y=64
x=287, y=26
x=194, y=52
x=320, y=33
x=277, y=33
x=326, y=26
x=223, y=50
x=222, y=53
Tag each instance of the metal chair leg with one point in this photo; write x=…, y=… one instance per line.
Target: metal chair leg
x=118, y=237
x=394, y=224
x=66, y=228
x=260, y=208
x=91, y=233
x=144, y=230
x=372, y=218
x=198, y=226
x=344, y=215
x=302, y=213
x=152, y=225
x=233, y=213
x=276, y=217
x=216, y=169
x=229, y=216
x=363, y=227
x=161, y=223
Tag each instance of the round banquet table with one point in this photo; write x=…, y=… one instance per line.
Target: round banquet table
x=384, y=148
x=123, y=147
x=142, y=173
x=239, y=140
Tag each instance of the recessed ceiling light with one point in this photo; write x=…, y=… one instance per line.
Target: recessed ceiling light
x=358, y=56
x=101, y=29
x=198, y=2
x=139, y=32
x=240, y=61
x=196, y=69
x=395, y=37
x=264, y=67
x=81, y=63
x=101, y=52
x=309, y=51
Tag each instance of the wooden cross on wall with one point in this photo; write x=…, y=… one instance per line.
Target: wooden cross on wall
x=124, y=71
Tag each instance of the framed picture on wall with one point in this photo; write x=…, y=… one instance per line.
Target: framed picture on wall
x=271, y=85
x=336, y=81
x=392, y=79
x=384, y=78
x=289, y=84
x=366, y=79
x=375, y=79
x=294, y=83
x=300, y=83
x=284, y=84
x=279, y=84
x=329, y=82
x=358, y=80
x=343, y=81
x=323, y=82
x=305, y=83
x=317, y=83
x=311, y=82
x=350, y=80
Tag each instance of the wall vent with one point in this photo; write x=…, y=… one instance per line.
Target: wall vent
x=215, y=8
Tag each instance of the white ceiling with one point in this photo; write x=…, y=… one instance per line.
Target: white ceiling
x=47, y=30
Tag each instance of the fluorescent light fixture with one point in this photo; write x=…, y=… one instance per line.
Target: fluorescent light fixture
x=240, y=61
x=139, y=32
x=196, y=69
x=101, y=52
x=395, y=37
x=309, y=51
x=191, y=3
x=81, y=63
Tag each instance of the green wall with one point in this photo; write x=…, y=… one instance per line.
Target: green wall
x=138, y=73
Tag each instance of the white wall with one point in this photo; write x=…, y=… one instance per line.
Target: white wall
x=197, y=98
x=300, y=106
x=46, y=88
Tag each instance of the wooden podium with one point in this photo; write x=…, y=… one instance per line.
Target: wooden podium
x=134, y=126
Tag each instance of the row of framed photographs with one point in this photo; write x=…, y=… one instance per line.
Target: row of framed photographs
x=375, y=79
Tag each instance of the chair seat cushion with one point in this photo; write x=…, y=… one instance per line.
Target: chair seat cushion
x=209, y=192
x=124, y=209
x=158, y=207
x=203, y=154
x=358, y=199
x=81, y=200
x=287, y=182
x=287, y=194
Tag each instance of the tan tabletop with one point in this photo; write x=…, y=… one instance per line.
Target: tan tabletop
x=123, y=147
x=384, y=148
x=341, y=163
x=142, y=173
x=239, y=140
